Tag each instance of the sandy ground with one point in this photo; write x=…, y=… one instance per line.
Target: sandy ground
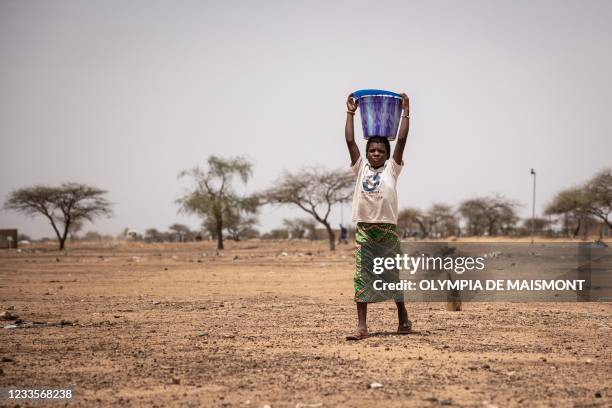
x=265, y=323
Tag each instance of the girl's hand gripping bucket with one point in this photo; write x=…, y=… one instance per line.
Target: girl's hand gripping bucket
x=380, y=112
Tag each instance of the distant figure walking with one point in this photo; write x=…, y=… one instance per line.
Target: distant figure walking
x=343, y=235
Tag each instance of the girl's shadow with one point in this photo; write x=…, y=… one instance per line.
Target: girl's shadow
x=394, y=333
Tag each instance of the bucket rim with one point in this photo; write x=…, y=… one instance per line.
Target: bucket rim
x=374, y=92
x=379, y=95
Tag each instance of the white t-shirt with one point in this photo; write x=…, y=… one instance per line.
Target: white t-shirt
x=375, y=196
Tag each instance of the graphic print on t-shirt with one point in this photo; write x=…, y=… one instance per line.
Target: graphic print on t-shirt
x=371, y=182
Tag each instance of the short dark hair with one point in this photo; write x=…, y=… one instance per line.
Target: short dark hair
x=379, y=139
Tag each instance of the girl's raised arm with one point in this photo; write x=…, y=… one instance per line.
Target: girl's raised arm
x=349, y=131
x=398, y=152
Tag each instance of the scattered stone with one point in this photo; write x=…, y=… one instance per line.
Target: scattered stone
x=201, y=334
x=375, y=385
x=176, y=380
x=446, y=402
x=10, y=308
x=7, y=360
x=66, y=323
x=134, y=259
x=598, y=394
x=8, y=316
x=284, y=254
x=486, y=366
x=303, y=405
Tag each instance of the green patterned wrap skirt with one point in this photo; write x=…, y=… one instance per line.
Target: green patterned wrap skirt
x=375, y=241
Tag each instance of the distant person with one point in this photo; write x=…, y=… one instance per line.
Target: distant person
x=343, y=235
x=375, y=212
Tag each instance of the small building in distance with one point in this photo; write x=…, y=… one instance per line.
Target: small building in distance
x=8, y=238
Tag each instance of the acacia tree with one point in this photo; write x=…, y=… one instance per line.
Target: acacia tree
x=539, y=225
x=314, y=191
x=442, y=221
x=213, y=197
x=295, y=228
x=238, y=222
x=301, y=227
x=599, y=195
x=180, y=232
x=64, y=206
x=408, y=217
x=490, y=214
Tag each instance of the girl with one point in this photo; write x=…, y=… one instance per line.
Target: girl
x=375, y=212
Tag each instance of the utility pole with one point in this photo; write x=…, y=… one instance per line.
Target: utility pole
x=533, y=205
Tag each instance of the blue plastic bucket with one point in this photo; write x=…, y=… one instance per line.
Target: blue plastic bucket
x=380, y=111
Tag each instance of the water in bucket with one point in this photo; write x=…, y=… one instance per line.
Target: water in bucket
x=381, y=112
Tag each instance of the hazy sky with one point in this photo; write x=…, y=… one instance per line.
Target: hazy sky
x=126, y=94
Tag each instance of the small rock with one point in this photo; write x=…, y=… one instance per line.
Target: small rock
x=176, y=380
x=375, y=385
x=7, y=360
x=284, y=254
x=486, y=366
x=598, y=394
x=446, y=402
x=8, y=316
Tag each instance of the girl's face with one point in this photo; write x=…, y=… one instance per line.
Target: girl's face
x=376, y=154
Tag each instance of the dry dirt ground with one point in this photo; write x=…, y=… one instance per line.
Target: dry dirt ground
x=265, y=323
